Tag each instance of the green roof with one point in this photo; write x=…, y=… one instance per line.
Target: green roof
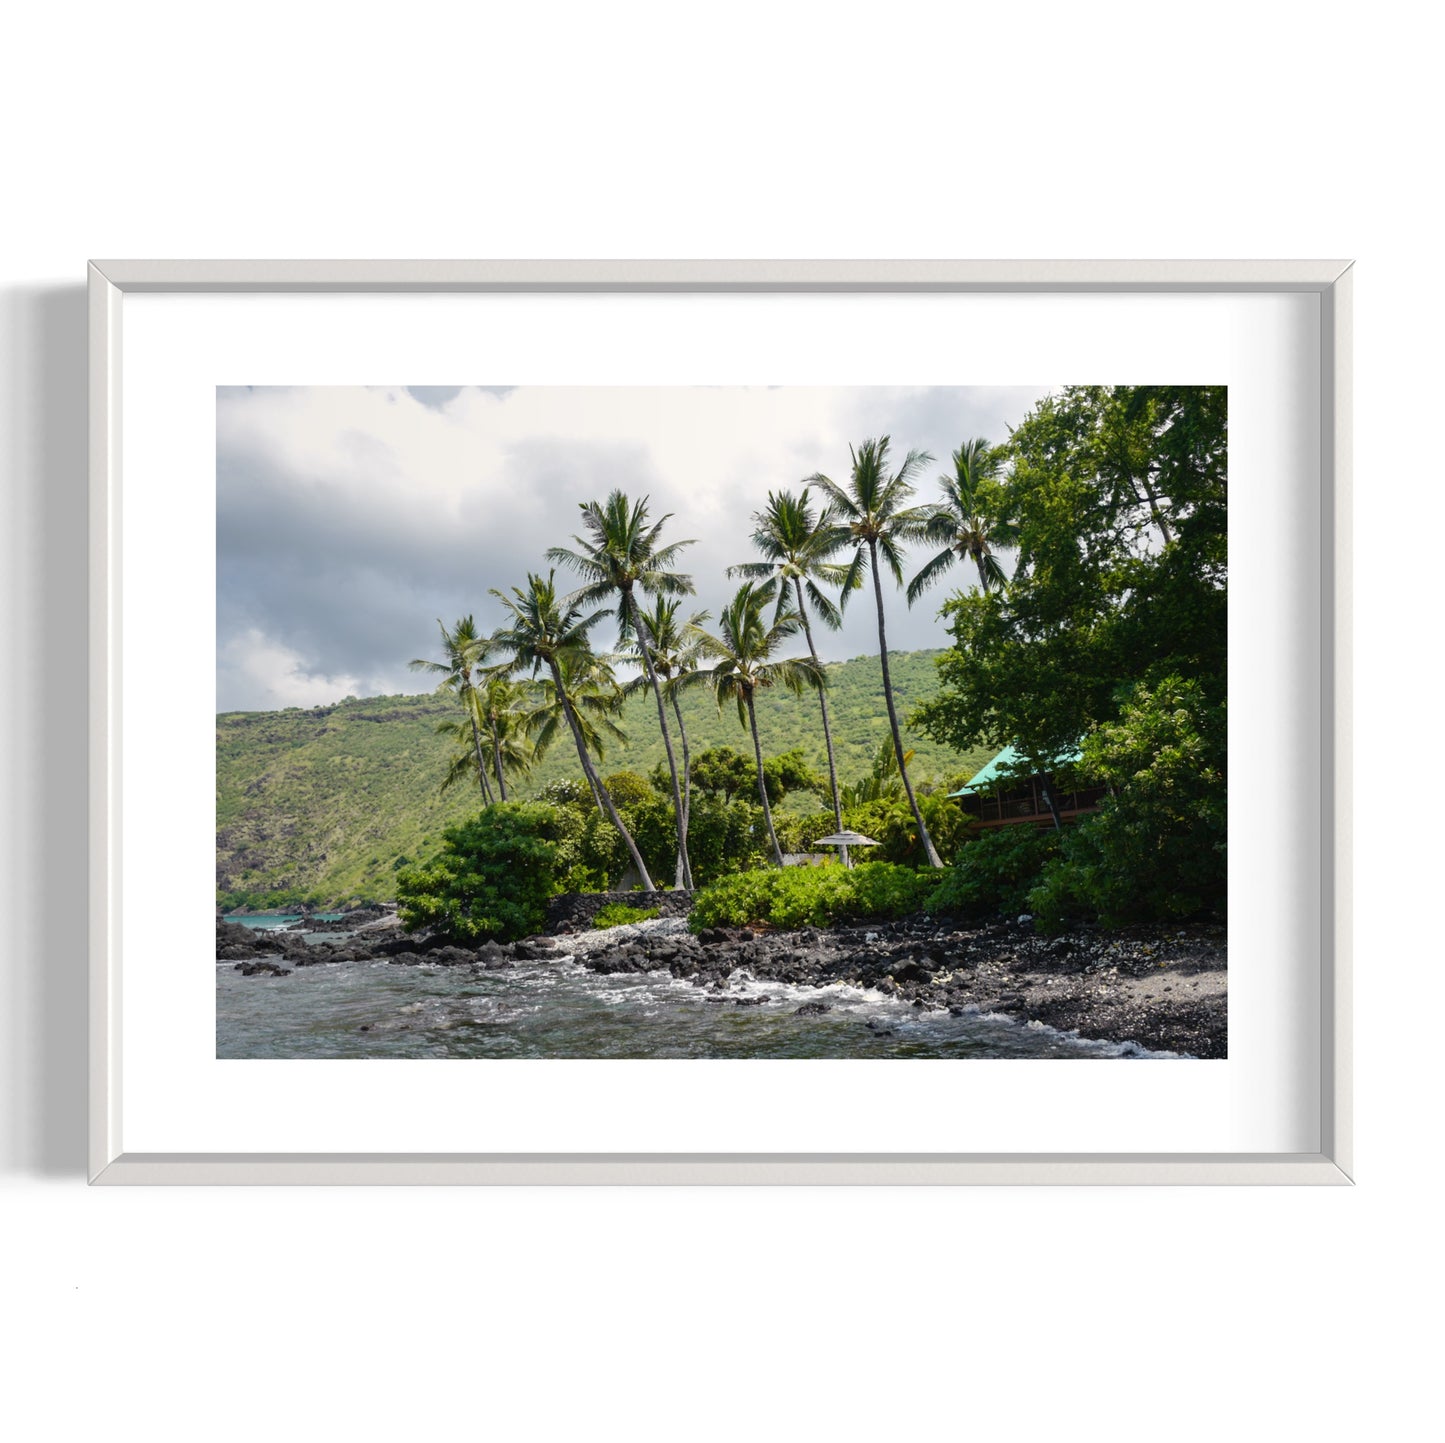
x=1007, y=760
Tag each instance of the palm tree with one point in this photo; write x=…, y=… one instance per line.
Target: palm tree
x=743, y=651
x=619, y=556
x=513, y=749
x=798, y=544
x=676, y=652
x=464, y=649
x=873, y=510
x=882, y=783
x=962, y=520
x=543, y=633
x=503, y=707
x=502, y=711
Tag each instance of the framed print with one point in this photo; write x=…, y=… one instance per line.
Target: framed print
x=603, y=713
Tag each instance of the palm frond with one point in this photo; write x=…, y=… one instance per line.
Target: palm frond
x=931, y=573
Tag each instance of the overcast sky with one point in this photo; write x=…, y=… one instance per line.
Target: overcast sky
x=350, y=519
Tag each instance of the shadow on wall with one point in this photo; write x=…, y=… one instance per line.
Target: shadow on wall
x=44, y=793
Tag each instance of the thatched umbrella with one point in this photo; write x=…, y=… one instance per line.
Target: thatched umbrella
x=844, y=840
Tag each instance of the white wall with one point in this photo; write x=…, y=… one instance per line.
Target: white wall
x=618, y=130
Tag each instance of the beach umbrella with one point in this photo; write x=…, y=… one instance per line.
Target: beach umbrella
x=844, y=840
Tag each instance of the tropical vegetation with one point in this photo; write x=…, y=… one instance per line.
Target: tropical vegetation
x=813, y=896
x=1086, y=562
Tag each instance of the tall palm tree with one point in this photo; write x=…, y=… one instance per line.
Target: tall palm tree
x=464, y=649
x=502, y=711
x=872, y=507
x=799, y=543
x=505, y=714
x=963, y=521
x=515, y=753
x=620, y=555
x=676, y=653
x=743, y=651
x=544, y=634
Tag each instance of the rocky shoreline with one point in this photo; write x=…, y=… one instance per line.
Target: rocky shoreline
x=1162, y=988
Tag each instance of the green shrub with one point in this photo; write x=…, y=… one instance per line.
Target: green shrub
x=813, y=896
x=992, y=875
x=618, y=914
x=491, y=878
x=1155, y=849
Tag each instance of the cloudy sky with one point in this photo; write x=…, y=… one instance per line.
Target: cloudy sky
x=349, y=520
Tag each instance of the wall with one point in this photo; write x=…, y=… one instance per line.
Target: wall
x=562, y=130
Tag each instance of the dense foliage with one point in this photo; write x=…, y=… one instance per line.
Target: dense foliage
x=813, y=896
x=994, y=873
x=1110, y=634
x=1156, y=848
x=491, y=879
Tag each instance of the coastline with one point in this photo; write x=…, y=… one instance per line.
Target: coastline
x=1164, y=988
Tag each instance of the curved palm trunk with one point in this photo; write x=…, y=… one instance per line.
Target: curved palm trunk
x=762, y=783
x=644, y=646
x=932, y=852
x=497, y=759
x=686, y=782
x=598, y=790
x=823, y=705
x=481, y=765
x=592, y=787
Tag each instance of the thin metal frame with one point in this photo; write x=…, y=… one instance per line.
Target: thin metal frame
x=1330, y=280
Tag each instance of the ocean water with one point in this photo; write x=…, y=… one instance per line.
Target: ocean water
x=558, y=1008
x=270, y=921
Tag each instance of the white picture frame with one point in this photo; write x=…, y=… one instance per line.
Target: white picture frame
x=110, y=283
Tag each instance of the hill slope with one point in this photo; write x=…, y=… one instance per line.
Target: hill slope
x=323, y=802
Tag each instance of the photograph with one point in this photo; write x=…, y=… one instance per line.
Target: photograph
x=721, y=722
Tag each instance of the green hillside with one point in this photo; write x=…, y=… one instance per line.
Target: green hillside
x=323, y=802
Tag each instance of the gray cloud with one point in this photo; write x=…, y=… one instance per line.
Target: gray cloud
x=349, y=521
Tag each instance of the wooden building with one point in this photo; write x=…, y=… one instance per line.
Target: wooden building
x=997, y=796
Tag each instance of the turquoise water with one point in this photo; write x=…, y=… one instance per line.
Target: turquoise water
x=270, y=921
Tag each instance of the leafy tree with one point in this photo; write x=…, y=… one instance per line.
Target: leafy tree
x=788, y=772
x=744, y=653
x=628, y=789
x=726, y=837
x=872, y=508
x=1156, y=848
x=620, y=555
x=721, y=771
x=491, y=878
x=547, y=633
x=1113, y=584
x=799, y=544
x=1114, y=617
